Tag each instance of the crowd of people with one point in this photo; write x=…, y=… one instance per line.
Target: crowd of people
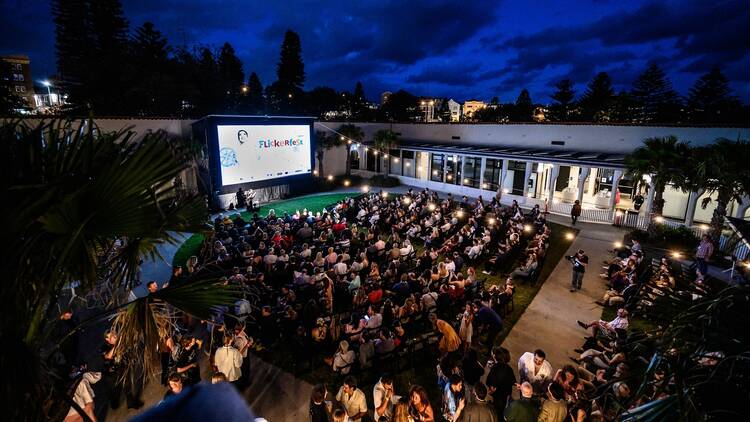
x=374, y=280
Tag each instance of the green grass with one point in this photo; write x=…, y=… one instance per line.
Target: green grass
x=192, y=246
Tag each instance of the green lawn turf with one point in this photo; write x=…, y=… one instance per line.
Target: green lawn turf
x=193, y=244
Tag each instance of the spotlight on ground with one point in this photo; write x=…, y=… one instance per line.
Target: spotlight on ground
x=365, y=188
x=569, y=236
x=618, y=245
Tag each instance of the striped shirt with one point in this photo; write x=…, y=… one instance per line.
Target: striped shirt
x=705, y=249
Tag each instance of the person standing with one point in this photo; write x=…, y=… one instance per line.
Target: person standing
x=534, y=368
x=228, y=360
x=554, y=408
x=384, y=397
x=703, y=253
x=352, y=399
x=319, y=411
x=242, y=343
x=575, y=211
x=580, y=260
x=478, y=410
x=525, y=409
x=501, y=378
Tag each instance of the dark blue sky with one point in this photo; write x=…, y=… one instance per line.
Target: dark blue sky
x=446, y=48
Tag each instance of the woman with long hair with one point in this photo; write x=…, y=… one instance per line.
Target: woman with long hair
x=419, y=405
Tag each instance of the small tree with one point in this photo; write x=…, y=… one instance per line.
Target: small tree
x=385, y=140
x=353, y=134
x=597, y=101
x=323, y=143
x=721, y=168
x=664, y=160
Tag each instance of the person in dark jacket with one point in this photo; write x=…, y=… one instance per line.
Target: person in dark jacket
x=501, y=378
x=524, y=409
x=575, y=211
x=478, y=410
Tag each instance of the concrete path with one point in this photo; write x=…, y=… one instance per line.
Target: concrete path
x=549, y=323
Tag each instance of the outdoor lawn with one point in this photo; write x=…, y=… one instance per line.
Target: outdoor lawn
x=193, y=244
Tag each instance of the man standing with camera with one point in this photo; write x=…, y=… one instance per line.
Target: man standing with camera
x=579, y=261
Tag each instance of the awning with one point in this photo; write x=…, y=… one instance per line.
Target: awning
x=587, y=158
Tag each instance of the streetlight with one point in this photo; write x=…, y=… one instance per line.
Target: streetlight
x=49, y=91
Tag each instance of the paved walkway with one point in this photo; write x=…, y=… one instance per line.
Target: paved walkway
x=549, y=323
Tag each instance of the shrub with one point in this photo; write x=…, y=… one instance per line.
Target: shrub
x=673, y=238
x=384, y=181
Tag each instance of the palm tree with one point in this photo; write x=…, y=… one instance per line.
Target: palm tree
x=353, y=134
x=664, y=160
x=385, y=140
x=323, y=143
x=83, y=206
x=722, y=168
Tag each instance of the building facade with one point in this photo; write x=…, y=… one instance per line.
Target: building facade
x=455, y=108
x=550, y=165
x=15, y=74
x=471, y=106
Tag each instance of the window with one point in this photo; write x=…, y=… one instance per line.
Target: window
x=472, y=170
x=408, y=164
x=493, y=169
x=20, y=88
x=18, y=77
x=354, y=162
x=436, y=169
x=453, y=170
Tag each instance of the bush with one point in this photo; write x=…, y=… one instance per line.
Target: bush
x=673, y=238
x=384, y=181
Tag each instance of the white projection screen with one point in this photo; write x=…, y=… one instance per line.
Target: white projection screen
x=257, y=152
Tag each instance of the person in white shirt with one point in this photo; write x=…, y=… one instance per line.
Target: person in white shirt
x=384, y=397
x=373, y=319
x=450, y=265
x=340, y=268
x=228, y=360
x=343, y=358
x=305, y=252
x=534, y=368
x=406, y=248
x=619, y=323
x=352, y=399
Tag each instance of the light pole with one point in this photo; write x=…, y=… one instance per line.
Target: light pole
x=49, y=91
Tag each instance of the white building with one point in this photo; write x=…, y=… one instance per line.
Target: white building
x=455, y=108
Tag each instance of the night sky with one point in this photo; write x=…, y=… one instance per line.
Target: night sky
x=460, y=49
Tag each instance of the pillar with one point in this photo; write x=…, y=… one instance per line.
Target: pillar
x=482, y=167
x=583, y=173
x=503, y=174
x=526, y=177
x=615, y=183
x=552, y=182
x=691, y=204
x=650, y=198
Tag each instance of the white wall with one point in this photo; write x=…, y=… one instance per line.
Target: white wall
x=598, y=138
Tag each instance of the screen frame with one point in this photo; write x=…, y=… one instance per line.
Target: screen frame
x=210, y=126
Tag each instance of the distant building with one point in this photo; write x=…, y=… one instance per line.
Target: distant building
x=471, y=106
x=455, y=108
x=540, y=114
x=427, y=107
x=15, y=73
x=384, y=97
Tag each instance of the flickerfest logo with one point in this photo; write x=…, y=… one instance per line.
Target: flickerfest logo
x=276, y=143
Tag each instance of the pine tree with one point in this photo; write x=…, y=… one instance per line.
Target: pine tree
x=209, y=96
x=711, y=100
x=231, y=77
x=598, y=100
x=74, y=48
x=623, y=108
x=111, y=71
x=562, y=108
x=290, y=69
x=255, y=101
x=153, y=91
x=523, y=109
x=655, y=100
x=359, y=102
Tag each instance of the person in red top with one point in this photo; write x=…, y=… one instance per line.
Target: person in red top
x=339, y=226
x=376, y=294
